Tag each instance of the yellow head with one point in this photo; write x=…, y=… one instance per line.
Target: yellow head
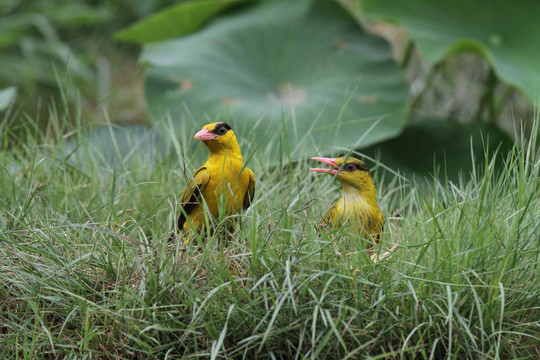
x=349, y=171
x=218, y=137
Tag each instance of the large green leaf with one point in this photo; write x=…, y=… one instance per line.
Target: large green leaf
x=503, y=32
x=302, y=74
x=177, y=20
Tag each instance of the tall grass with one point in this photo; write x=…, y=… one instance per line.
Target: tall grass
x=86, y=270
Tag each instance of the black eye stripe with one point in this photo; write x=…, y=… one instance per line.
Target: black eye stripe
x=355, y=166
x=221, y=129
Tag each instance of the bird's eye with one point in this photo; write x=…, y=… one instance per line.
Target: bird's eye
x=222, y=131
x=350, y=167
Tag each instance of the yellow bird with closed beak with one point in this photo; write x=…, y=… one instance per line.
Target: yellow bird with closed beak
x=358, y=205
x=223, y=185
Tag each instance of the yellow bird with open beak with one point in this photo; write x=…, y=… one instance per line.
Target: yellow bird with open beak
x=222, y=183
x=358, y=205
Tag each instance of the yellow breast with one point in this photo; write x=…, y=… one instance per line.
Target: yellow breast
x=226, y=187
x=356, y=211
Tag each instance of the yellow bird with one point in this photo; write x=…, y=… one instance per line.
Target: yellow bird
x=358, y=205
x=223, y=185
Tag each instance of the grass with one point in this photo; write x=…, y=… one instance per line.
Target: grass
x=86, y=271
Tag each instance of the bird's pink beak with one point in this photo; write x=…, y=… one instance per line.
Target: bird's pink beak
x=205, y=135
x=328, y=161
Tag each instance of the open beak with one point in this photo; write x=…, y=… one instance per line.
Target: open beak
x=328, y=161
x=205, y=135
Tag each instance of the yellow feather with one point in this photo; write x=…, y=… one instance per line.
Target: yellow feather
x=223, y=185
x=358, y=206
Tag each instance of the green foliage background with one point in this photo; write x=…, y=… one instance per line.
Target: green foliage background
x=193, y=92
x=498, y=30
x=361, y=100
x=55, y=49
